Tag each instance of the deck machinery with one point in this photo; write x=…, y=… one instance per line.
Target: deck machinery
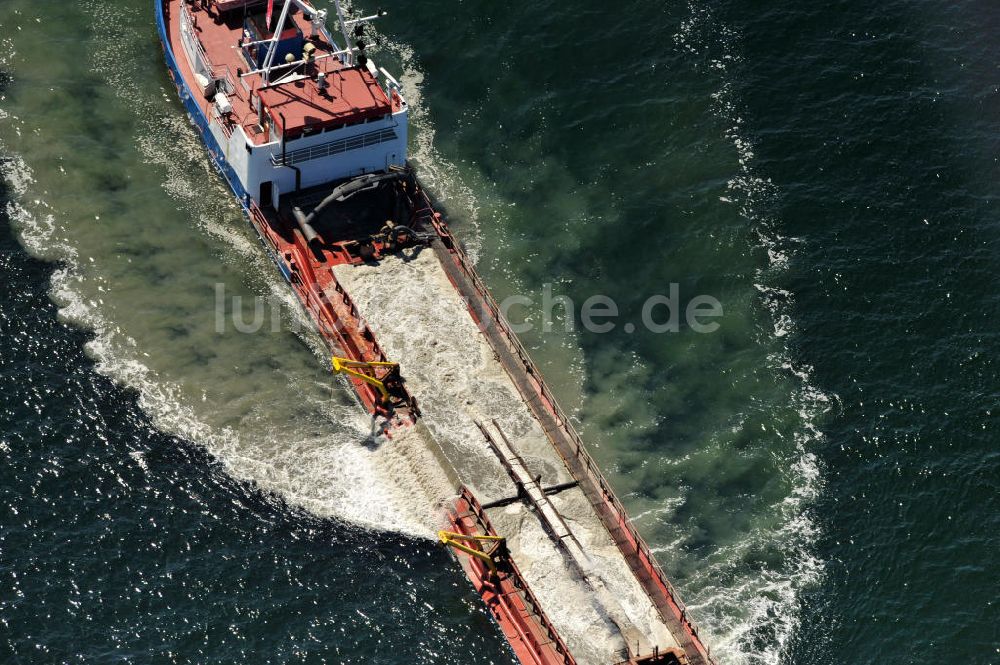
x=311, y=136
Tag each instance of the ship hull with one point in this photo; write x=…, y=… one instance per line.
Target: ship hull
x=346, y=333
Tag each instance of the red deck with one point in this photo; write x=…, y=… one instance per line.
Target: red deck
x=353, y=94
x=506, y=594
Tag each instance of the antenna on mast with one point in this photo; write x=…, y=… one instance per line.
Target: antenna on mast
x=275, y=38
x=349, y=57
x=358, y=25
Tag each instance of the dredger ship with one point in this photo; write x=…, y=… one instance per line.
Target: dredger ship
x=311, y=136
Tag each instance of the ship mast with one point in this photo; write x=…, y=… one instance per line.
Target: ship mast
x=345, y=24
x=318, y=18
x=344, y=32
x=276, y=36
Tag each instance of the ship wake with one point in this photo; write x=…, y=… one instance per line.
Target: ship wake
x=270, y=414
x=753, y=615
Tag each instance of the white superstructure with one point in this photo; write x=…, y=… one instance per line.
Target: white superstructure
x=287, y=106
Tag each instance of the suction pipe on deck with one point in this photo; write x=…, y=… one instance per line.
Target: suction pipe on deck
x=307, y=230
x=341, y=193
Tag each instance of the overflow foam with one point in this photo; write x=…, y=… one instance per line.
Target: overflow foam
x=767, y=603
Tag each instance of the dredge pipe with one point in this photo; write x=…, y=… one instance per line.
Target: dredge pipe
x=308, y=232
x=346, y=190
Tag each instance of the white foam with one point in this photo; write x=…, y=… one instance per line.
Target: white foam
x=32, y=219
x=345, y=475
x=769, y=604
x=440, y=175
x=342, y=472
x=422, y=323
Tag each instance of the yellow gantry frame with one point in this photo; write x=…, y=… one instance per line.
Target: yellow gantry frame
x=351, y=367
x=454, y=540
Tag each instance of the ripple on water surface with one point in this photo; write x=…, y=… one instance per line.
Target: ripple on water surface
x=118, y=188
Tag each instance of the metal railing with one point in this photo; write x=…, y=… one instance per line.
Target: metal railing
x=517, y=579
x=642, y=551
x=335, y=147
x=204, y=64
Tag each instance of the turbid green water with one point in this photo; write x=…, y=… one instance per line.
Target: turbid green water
x=819, y=476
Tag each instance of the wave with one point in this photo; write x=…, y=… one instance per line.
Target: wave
x=331, y=464
x=342, y=476
x=753, y=619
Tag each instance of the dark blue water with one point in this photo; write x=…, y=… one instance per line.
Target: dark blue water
x=887, y=179
x=819, y=477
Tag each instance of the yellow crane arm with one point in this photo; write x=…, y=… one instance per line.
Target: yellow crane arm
x=351, y=367
x=455, y=540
